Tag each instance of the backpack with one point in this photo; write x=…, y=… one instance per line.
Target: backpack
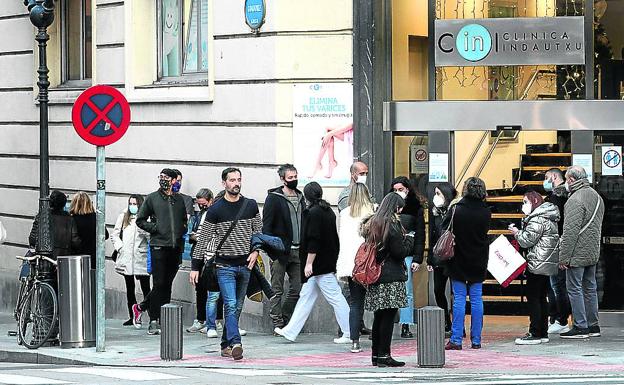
x=366, y=270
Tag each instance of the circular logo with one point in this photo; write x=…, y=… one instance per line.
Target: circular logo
x=612, y=158
x=473, y=42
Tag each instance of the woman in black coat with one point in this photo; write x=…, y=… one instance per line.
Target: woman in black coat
x=467, y=269
x=443, y=195
x=318, y=250
x=83, y=212
x=387, y=295
x=413, y=221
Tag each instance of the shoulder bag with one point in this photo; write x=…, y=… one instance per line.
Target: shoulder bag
x=444, y=248
x=209, y=272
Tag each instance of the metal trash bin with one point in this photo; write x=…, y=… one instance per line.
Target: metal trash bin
x=430, y=335
x=171, y=332
x=76, y=288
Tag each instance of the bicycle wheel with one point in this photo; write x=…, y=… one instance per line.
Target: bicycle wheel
x=21, y=296
x=38, y=316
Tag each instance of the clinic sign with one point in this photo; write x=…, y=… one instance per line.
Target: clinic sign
x=510, y=41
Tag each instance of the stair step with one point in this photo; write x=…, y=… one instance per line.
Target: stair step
x=495, y=282
x=552, y=154
x=530, y=182
x=507, y=216
x=499, y=232
x=543, y=168
x=502, y=298
x=546, y=96
x=505, y=199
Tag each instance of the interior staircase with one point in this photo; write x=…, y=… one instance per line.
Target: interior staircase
x=506, y=208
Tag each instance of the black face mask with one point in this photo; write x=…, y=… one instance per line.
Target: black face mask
x=203, y=207
x=291, y=184
x=165, y=184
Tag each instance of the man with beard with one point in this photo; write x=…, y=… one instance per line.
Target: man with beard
x=225, y=235
x=163, y=215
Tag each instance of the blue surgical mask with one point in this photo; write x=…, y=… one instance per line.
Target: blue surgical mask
x=548, y=185
x=133, y=209
x=177, y=185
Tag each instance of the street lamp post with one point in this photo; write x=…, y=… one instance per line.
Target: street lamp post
x=42, y=16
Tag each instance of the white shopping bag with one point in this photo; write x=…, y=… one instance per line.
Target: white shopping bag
x=505, y=263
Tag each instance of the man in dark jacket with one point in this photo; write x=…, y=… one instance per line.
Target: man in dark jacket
x=65, y=232
x=163, y=215
x=558, y=295
x=281, y=217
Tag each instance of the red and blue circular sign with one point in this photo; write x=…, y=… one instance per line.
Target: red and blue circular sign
x=101, y=115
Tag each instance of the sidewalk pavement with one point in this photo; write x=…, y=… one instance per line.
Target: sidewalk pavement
x=127, y=346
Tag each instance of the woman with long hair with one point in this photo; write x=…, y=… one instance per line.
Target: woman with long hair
x=319, y=253
x=443, y=194
x=130, y=243
x=413, y=221
x=468, y=267
x=384, y=231
x=360, y=207
x=83, y=212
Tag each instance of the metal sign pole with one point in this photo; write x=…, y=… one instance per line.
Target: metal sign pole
x=100, y=262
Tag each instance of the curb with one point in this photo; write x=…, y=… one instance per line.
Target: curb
x=35, y=357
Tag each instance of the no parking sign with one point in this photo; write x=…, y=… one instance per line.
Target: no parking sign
x=612, y=160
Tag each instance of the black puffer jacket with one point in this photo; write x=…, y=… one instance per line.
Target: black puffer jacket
x=167, y=219
x=319, y=236
x=413, y=220
x=66, y=240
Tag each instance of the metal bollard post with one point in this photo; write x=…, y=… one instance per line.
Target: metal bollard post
x=430, y=334
x=171, y=332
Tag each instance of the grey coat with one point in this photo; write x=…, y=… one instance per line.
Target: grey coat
x=540, y=235
x=579, y=250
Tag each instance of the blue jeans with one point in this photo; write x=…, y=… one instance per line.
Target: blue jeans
x=460, y=290
x=211, y=309
x=582, y=291
x=406, y=314
x=233, y=282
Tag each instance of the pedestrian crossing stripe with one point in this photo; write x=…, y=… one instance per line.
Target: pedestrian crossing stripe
x=121, y=374
x=15, y=379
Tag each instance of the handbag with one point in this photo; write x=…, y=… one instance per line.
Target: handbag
x=208, y=274
x=444, y=248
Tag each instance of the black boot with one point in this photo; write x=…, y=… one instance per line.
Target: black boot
x=388, y=361
x=374, y=360
x=405, y=331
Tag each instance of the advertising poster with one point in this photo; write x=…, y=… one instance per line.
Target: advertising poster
x=611, y=160
x=323, y=132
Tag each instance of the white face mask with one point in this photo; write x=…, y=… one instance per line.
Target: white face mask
x=567, y=186
x=526, y=208
x=438, y=200
x=361, y=179
x=402, y=194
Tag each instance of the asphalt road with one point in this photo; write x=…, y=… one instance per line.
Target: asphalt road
x=28, y=374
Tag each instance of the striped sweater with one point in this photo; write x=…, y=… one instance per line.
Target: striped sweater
x=218, y=219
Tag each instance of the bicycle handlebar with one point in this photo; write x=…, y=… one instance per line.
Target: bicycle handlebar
x=37, y=256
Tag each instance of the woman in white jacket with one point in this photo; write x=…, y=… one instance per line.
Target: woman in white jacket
x=360, y=207
x=130, y=244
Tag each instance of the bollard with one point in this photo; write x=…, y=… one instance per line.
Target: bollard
x=171, y=332
x=430, y=334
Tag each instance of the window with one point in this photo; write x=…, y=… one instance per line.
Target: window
x=76, y=41
x=182, y=39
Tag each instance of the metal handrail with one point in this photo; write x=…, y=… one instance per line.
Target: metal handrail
x=532, y=81
x=471, y=158
x=489, y=154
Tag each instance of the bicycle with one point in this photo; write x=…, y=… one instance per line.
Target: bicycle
x=36, y=311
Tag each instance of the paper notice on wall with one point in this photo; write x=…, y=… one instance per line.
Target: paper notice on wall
x=323, y=132
x=611, y=160
x=438, y=167
x=419, y=159
x=585, y=161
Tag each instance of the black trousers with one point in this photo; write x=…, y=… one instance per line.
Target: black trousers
x=201, y=296
x=165, y=264
x=144, y=281
x=383, y=325
x=439, y=290
x=537, y=291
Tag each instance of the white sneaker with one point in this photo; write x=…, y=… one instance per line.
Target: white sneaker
x=342, y=340
x=197, y=326
x=211, y=333
x=219, y=326
x=280, y=332
x=557, y=328
x=545, y=340
x=242, y=332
